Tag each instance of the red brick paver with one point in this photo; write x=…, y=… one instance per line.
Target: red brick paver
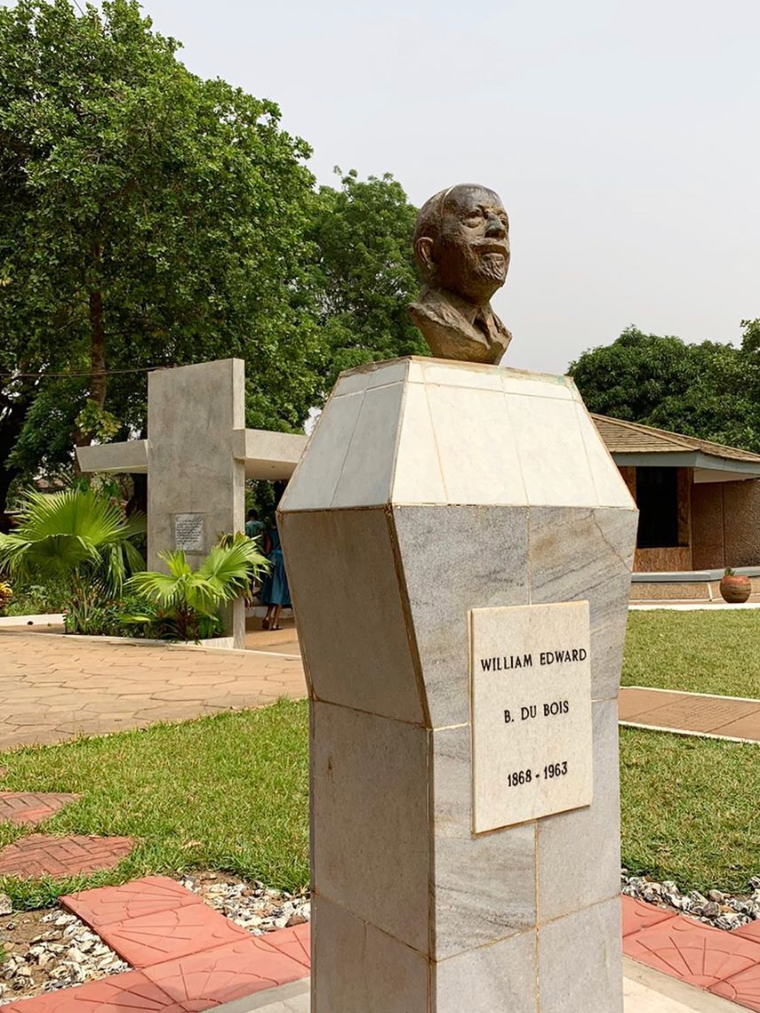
x=749, y=931
x=695, y=953
x=27, y=807
x=111, y=904
x=132, y=992
x=40, y=855
x=154, y=938
x=204, y=980
x=637, y=916
x=294, y=943
x=724, y=963
x=743, y=988
x=696, y=713
x=215, y=972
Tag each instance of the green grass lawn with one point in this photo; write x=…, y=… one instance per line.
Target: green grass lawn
x=231, y=793
x=228, y=792
x=690, y=809
x=702, y=652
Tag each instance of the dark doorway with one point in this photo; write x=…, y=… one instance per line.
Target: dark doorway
x=657, y=500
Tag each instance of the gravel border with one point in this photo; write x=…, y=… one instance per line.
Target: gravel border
x=721, y=910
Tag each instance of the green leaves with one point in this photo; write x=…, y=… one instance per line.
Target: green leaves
x=149, y=218
x=189, y=596
x=709, y=390
x=363, y=271
x=76, y=536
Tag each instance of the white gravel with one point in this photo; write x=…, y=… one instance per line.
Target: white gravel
x=251, y=905
x=719, y=909
x=65, y=952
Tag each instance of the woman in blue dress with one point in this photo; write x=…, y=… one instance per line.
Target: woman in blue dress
x=275, y=592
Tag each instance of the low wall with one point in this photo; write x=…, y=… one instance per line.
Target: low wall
x=697, y=586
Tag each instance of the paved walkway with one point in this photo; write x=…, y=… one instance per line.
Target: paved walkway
x=185, y=956
x=726, y=964
x=721, y=717
x=53, y=687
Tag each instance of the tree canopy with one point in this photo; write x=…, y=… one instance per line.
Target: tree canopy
x=709, y=390
x=364, y=273
x=149, y=217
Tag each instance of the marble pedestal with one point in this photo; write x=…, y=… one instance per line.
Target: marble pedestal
x=428, y=489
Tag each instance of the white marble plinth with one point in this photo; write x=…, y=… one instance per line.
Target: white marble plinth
x=431, y=489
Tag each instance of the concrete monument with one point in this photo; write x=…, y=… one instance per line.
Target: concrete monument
x=461, y=244
x=197, y=457
x=459, y=546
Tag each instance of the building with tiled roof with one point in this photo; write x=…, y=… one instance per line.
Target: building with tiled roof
x=699, y=501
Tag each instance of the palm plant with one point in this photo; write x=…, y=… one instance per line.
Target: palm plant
x=186, y=602
x=78, y=537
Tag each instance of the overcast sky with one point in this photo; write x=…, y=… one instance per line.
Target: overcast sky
x=622, y=136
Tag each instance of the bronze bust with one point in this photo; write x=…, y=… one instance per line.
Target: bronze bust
x=461, y=244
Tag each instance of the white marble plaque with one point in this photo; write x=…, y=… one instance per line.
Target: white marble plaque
x=530, y=678
x=188, y=532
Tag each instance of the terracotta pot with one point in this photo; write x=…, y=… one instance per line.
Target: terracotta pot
x=735, y=588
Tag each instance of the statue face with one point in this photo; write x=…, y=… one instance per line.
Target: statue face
x=471, y=256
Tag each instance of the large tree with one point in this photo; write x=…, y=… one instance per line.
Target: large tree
x=147, y=217
x=363, y=274
x=709, y=390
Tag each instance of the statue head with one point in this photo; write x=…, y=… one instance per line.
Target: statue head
x=461, y=242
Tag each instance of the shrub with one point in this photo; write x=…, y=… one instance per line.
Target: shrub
x=185, y=603
x=78, y=538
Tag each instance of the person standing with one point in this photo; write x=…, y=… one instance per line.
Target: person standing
x=275, y=592
x=253, y=526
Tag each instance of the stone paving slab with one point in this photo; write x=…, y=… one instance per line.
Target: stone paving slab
x=649, y=991
x=292, y=998
x=40, y=855
x=109, y=905
x=20, y=807
x=208, y=979
x=132, y=992
x=164, y=935
x=189, y=957
x=55, y=687
x=725, y=964
x=695, y=713
x=644, y=991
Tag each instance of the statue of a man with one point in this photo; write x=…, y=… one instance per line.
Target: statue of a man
x=461, y=243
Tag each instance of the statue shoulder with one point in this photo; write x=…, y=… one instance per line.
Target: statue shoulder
x=434, y=307
x=451, y=335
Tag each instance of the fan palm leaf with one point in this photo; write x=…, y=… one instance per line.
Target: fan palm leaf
x=79, y=537
x=225, y=574
x=76, y=531
x=230, y=568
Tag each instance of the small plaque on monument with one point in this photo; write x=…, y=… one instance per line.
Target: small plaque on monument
x=532, y=736
x=188, y=532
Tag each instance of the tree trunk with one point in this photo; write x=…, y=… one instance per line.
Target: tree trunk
x=98, y=350
x=11, y=424
x=7, y=475
x=138, y=501
x=97, y=353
